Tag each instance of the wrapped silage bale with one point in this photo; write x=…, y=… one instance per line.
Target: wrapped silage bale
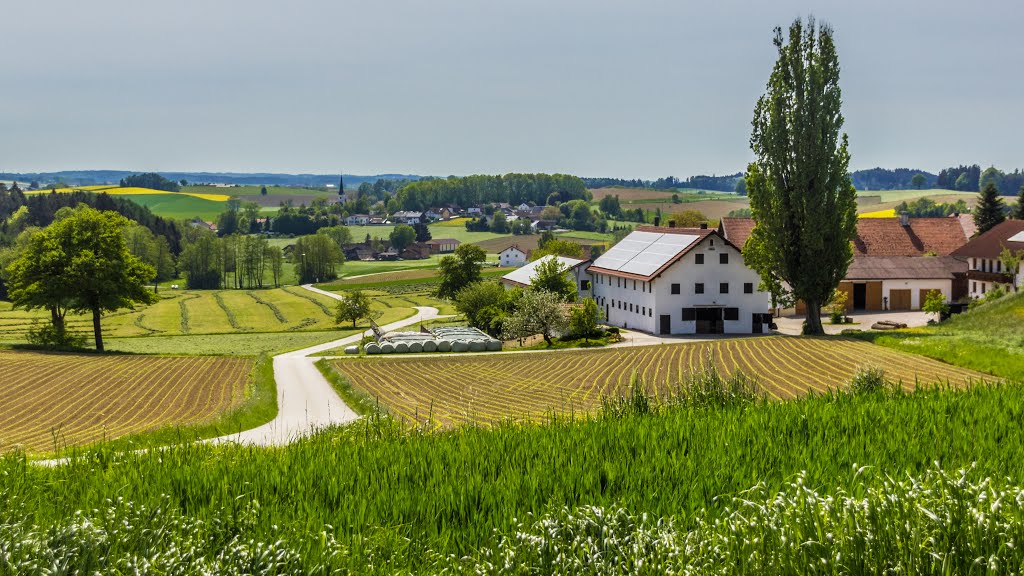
x=372, y=348
x=430, y=346
x=416, y=347
x=352, y=350
x=477, y=346
x=459, y=346
x=401, y=348
x=444, y=346
x=387, y=348
x=493, y=345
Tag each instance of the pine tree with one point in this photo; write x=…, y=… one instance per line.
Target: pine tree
x=1018, y=212
x=991, y=210
x=799, y=186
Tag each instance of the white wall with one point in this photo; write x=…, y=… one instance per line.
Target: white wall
x=511, y=258
x=915, y=287
x=651, y=300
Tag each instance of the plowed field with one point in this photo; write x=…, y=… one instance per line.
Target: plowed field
x=449, y=390
x=74, y=399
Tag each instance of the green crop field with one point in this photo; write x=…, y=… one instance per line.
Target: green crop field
x=209, y=312
x=243, y=191
x=451, y=390
x=61, y=400
x=179, y=206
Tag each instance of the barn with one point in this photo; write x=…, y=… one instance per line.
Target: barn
x=667, y=280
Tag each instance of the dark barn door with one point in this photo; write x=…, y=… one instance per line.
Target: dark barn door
x=860, y=296
x=665, y=322
x=709, y=321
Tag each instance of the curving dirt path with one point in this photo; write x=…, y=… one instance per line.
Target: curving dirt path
x=305, y=400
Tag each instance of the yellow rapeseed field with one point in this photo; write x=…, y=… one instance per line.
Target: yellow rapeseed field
x=890, y=213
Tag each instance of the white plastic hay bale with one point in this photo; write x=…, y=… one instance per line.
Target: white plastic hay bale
x=477, y=346
x=444, y=346
x=401, y=348
x=416, y=347
x=493, y=345
x=430, y=346
x=372, y=348
x=387, y=348
x=352, y=350
x=459, y=346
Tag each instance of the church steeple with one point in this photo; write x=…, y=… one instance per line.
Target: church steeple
x=341, y=184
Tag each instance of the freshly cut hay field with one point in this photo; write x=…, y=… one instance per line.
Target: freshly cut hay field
x=82, y=398
x=443, y=391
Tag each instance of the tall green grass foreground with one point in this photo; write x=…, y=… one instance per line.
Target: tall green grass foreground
x=722, y=482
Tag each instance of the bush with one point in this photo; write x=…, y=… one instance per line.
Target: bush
x=48, y=336
x=869, y=380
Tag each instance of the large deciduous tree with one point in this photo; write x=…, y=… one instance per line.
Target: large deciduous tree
x=799, y=186
x=991, y=210
x=80, y=263
x=354, y=306
x=460, y=269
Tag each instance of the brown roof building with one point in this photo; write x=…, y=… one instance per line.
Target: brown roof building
x=897, y=261
x=881, y=236
x=985, y=269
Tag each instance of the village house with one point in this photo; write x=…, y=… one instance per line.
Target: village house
x=575, y=269
x=406, y=217
x=985, y=269
x=442, y=245
x=897, y=261
x=433, y=215
x=512, y=256
x=378, y=221
x=357, y=220
x=667, y=280
x=417, y=251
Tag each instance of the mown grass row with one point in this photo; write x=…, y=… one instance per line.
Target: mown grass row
x=377, y=498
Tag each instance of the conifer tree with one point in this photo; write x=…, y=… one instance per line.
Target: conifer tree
x=1018, y=212
x=991, y=210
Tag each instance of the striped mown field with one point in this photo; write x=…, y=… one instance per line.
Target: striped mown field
x=75, y=399
x=444, y=391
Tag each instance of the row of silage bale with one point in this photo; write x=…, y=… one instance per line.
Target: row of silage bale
x=448, y=339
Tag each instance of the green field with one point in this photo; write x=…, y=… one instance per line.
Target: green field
x=179, y=206
x=417, y=503
x=215, y=321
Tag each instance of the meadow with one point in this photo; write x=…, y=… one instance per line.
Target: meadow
x=760, y=484
x=444, y=391
x=988, y=339
x=55, y=400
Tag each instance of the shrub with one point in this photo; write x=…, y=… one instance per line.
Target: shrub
x=869, y=380
x=48, y=336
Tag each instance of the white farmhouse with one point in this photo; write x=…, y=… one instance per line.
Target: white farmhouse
x=679, y=281
x=357, y=220
x=575, y=269
x=512, y=256
x=985, y=269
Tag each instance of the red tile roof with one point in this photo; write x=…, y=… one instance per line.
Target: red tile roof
x=991, y=243
x=881, y=236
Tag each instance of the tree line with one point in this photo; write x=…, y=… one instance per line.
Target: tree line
x=515, y=189
x=150, y=180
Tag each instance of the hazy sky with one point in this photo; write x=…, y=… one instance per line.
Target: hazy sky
x=591, y=87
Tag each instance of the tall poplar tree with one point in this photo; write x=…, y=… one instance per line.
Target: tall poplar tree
x=991, y=210
x=799, y=186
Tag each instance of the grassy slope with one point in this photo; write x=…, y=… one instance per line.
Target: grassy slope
x=989, y=338
x=179, y=206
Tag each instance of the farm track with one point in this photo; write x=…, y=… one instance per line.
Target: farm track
x=445, y=391
x=83, y=398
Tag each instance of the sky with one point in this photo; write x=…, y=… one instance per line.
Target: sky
x=629, y=89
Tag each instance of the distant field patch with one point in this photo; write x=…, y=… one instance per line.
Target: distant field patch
x=134, y=191
x=74, y=399
x=444, y=391
x=890, y=213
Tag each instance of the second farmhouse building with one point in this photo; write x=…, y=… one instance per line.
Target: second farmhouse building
x=666, y=280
